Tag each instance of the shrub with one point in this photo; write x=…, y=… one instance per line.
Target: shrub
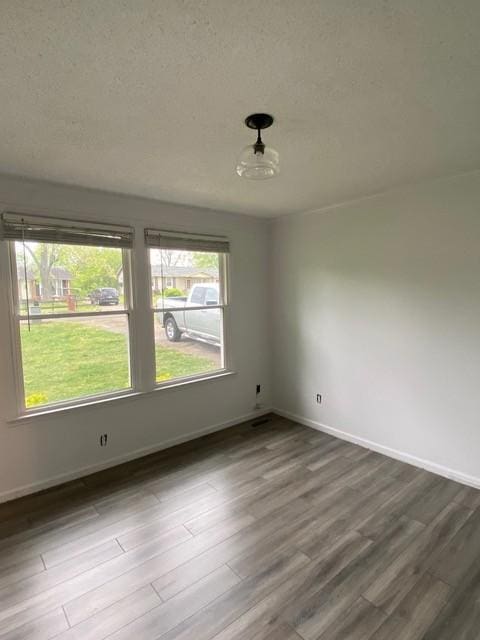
x=35, y=398
x=172, y=292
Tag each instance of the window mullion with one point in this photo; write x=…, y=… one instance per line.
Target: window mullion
x=202, y=307
x=81, y=314
x=142, y=327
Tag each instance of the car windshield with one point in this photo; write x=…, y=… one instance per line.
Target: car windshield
x=113, y=291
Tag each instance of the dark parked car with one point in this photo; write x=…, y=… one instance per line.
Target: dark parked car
x=105, y=295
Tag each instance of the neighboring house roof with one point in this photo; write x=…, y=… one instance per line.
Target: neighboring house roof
x=57, y=273
x=178, y=272
x=60, y=273
x=183, y=272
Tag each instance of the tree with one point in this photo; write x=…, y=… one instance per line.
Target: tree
x=205, y=260
x=45, y=256
x=172, y=257
x=91, y=267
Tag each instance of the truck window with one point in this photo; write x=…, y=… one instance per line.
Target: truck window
x=198, y=295
x=211, y=296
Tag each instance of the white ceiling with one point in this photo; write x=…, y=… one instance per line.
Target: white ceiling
x=148, y=96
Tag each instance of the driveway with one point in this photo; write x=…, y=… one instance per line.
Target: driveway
x=117, y=324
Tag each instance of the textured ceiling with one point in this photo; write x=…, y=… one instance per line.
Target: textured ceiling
x=148, y=96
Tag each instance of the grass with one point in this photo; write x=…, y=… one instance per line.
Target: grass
x=175, y=364
x=66, y=360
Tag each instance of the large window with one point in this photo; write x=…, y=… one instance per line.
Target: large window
x=71, y=309
x=80, y=327
x=189, y=303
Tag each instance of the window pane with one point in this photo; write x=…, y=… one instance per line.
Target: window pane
x=198, y=296
x=56, y=278
x=175, y=273
x=72, y=358
x=188, y=343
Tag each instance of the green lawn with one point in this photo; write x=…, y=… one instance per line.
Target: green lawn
x=65, y=360
x=175, y=364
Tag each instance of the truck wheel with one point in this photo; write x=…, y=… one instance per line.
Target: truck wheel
x=171, y=330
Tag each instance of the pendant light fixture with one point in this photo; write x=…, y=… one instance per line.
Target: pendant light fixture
x=257, y=161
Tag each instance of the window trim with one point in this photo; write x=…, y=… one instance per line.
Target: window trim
x=16, y=343
x=92, y=402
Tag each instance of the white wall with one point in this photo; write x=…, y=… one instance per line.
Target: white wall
x=377, y=307
x=53, y=447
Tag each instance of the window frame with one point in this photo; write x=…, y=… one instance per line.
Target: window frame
x=139, y=312
x=224, y=305
x=15, y=322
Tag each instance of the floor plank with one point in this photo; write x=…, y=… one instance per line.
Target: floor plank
x=42, y=628
x=416, y=612
x=406, y=570
x=172, y=613
x=275, y=532
x=115, y=617
x=359, y=623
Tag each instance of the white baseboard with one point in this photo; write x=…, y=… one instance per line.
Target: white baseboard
x=440, y=470
x=112, y=462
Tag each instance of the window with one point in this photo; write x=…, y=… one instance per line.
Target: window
x=71, y=312
x=189, y=321
x=198, y=295
x=211, y=296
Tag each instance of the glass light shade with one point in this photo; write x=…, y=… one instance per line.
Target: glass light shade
x=258, y=166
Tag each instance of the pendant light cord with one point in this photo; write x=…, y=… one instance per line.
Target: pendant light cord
x=259, y=147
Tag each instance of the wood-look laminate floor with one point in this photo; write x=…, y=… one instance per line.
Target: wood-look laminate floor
x=274, y=532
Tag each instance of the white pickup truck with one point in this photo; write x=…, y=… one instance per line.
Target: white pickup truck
x=202, y=323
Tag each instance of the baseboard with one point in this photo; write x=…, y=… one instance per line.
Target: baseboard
x=440, y=470
x=12, y=494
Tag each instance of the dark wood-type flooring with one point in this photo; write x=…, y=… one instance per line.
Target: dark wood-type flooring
x=273, y=532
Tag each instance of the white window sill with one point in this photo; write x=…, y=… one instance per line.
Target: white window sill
x=90, y=403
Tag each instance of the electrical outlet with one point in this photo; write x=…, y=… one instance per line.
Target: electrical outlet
x=319, y=398
x=103, y=439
